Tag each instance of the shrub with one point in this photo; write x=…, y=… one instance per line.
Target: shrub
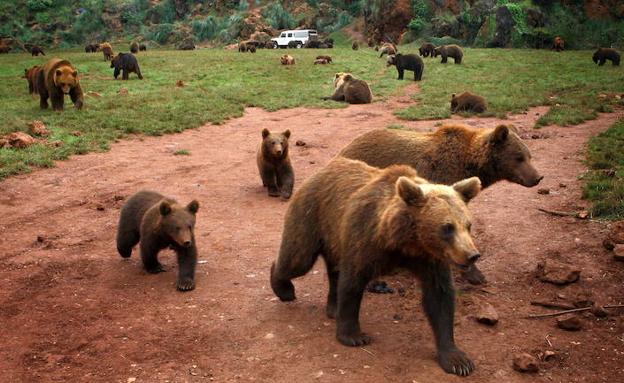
x=160, y=33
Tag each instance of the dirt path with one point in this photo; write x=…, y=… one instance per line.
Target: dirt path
x=73, y=311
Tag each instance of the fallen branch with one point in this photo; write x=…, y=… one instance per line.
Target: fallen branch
x=553, y=305
x=532, y=316
x=579, y=215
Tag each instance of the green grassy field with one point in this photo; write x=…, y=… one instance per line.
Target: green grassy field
x=220, y=84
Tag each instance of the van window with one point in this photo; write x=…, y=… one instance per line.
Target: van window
x=290, y=35
x=283, y=34
x=312, y=32
x=300, y=34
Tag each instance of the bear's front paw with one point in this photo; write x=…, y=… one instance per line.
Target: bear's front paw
x=354, y=340
x=456, y=362
x=155, y=269
x=273, y=192
x=286, y=194
x=186, y=285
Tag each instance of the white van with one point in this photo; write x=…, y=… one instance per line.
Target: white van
x=299, y=36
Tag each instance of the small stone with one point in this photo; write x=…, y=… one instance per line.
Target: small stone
x=300, y=143
x=487, y=314
x=582, y=214
x=76, y=133
x=557, y=273
x=599, y=311
x=179, y=84
x=122, y=91
x=269, y=336
x=38, y=128
x=312, y=162
x=562, y=185
x=525, y=363
x=570, y=323
x=40, y=238
x=99, y=207
x=318, y=375
x=20, y=140
x=548, y=355
x=397, y=317
x=543, y=191
x=93, y=94
x=131, y=380
x=618, y=252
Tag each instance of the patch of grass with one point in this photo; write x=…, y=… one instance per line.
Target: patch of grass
x=396, y=126
x=604, y=183
x=513, y=80
x=182, y=152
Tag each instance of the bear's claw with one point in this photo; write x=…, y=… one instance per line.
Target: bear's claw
x=186, y=285
x=356, y=340
x=456, y=362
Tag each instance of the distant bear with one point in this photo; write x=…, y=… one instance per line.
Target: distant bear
x=557, y=44
x=270, y=44
x=5, y=48
x=325, y=57
x=186, y=45
x=313, y=44
x=107, y=51
x=450, y=154
x=469, y=102
x=31, y=76
x=242, y=47
x=604, y=54
x=36, y=50
x=251, y=48
x=351, y=90
x=126, y=63
x=388, y=48
x=134, y=48
x=287, y=60
x=447, y=51
x=274, y=165
x=92, y=48
x=355, y=46
x=327, y=43
x=426, y=50
x=159, y=222
x=320, y=61
x=407, y=62
x=366, y=222
x=142, y=47
x=56, y=79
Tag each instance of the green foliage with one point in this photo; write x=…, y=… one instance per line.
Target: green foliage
x=277, y=17
x=207, y=29
x=422, y=13
x=160, y=33
x=604, y=184
x=38, y=5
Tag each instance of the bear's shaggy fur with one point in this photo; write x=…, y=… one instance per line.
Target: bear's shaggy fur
x=325, y=57
x=355, y=46
x=387, y=48
x=142, y=47
x=604, y=54
x=287, y=60
x=450, y=154
x=242, y=47
x=407, y=62
x=31, y=76
x=56, y=79
x=36, y=50
x=426, y=50
x=126, y=63
x=134, y=48
x=557, y=44
x=159, y=222
x=313, y=44
x=469, y=102
x=107, y=51
x=447, y=51
x=349, y=89
x=366, y=222
x=274, y=164
x=320, y=61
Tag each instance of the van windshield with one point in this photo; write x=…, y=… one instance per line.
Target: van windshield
x=283, y=34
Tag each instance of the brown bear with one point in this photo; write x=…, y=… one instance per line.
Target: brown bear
x=134, y=48
x=4, y=48
x=388, y=48
x=320, y=61
x=242, y=47
x=159, y=222
x=287, y=60
x=36, y=50
x=407, y=62
x=325, y=57
x=355, y=46
x=92, y=48
x=447, y=51
x=557, y=44
x=468, y=102
x=604, y=54
x=56, y=79
x=351, y=90
x=142, y=47
x=427, y=50
x=450, y=154
x=366, y=222
x=107, y=51
x=274, y=164
x=125, y=63
x=31, y=76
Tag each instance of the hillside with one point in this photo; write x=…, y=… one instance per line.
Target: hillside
x=480, y=23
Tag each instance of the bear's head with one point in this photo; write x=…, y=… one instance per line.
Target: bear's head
x=511, y=157
x=432, y=218
x=340, y=78
x=66, y=78
x=453, y=101
x=392, y=59
x=114, y=60
x=275, y=145
x=596, y=55
x=178, y=222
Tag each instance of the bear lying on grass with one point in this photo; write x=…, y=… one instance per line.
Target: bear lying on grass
x=450, y=154
x=159, y=222
x=274, y=164
x=56, y=79
x=468, y=102
x=366, y=222
x=349, y=89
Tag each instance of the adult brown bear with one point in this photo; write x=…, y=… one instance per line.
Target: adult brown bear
x=351, y=90
x=125, y=63
x=557, y=44
x=426, y=50
x=468, y=102
x=407, y=62
x=36, y=50
x=107, y=51
x=366, y=222
x=134, y=48
x=447, y=51
x=31, y=76
x=56, y=79
x=603, y=54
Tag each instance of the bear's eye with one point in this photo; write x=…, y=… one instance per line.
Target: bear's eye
x=469, y=226
x=520, y=158
x=448, y=230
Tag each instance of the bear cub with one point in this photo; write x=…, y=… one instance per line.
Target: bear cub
x=126, y=63
x=274, y=164
x=407, y=62
x=159, y=222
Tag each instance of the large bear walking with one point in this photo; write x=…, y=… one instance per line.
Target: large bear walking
x=365, y=222
x=56, y=79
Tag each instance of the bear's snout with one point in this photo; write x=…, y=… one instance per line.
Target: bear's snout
x=472, y=258
x=187, y=244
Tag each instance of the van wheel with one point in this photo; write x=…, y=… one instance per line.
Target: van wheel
x=299, y=45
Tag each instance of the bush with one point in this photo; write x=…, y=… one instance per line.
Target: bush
x=38, y=5
x=277, y=17
x=160, y=33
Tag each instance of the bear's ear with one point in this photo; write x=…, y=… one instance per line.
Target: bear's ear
x=193, y=206
x=286, y=133
x=453, y=95
x=468, y=188
x=58, y=72
x=165, y=208
x=75, y=73
x=409, y=191
x=500, y=134
x=265, y=133
x=337, y=75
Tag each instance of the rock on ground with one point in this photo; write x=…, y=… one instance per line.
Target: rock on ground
x=525, y=363
x=557, y=273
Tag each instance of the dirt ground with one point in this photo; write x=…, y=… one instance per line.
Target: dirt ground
x=72, y=310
